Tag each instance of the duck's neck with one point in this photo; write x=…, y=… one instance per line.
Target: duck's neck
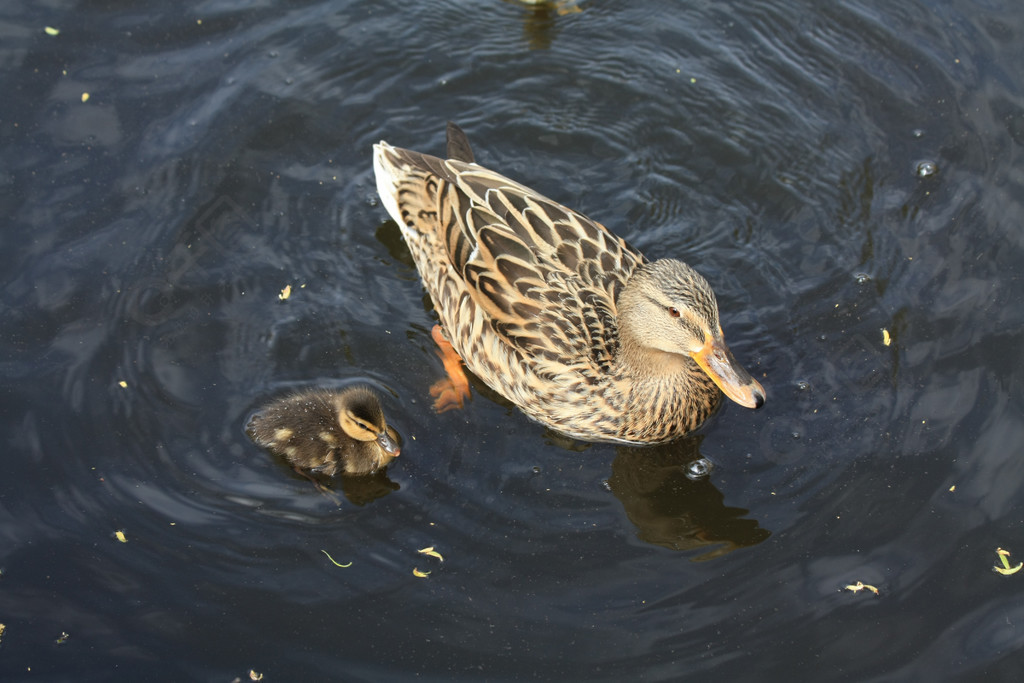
x=638, y=361
x=665, y=394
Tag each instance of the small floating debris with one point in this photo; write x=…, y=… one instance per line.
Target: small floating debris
x=254, y=676
x=698, y=469
x=123, y=384
x=3, y=627
x=85, y=97
x=336, y=564
x=860, y=586
x=417, y=573
x=119, y=535
x=430, y=551
x=51, y=31
x=886, y=339
x=285, y=293
x=1006, y=569
x=926, y=169
x=62, y=638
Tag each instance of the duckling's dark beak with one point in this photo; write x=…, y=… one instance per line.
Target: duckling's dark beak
x=717, y=361
x=389, y=445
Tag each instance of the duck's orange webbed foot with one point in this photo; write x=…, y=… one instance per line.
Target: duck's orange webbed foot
x=452, y=391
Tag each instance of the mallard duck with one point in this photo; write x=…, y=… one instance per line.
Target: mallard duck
x=553, y=311
x=327, y=432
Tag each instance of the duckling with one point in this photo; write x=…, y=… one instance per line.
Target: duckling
x=328, y=432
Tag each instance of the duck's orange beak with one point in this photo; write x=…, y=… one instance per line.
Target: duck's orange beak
x=715, y=359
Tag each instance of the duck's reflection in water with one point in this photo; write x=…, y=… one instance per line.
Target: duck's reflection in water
x=673, y=510
x=358, y=490
x=367, y=488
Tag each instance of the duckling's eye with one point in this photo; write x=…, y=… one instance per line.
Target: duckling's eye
x=365, y=425
x=673, y=311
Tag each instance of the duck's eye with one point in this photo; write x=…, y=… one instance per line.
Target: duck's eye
x=358, y=428
x=673, y=311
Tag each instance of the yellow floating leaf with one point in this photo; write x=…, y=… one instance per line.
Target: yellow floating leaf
x=253, y=676
x=51, y=31
x=886, y=339
x=430, y=551
x=343, y=566
x=952, y=488
x=119, y=535
x=85, y=97
x=285, y=293
x=1006, y=569
x=418, y=573
x=860, y=585
x=123, y=384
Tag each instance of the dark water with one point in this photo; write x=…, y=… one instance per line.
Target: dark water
x=834, y=169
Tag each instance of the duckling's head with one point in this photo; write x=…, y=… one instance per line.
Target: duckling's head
x=668, y=307
x=361, y=418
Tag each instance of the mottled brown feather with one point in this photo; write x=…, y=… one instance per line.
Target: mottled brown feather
x=529, y=293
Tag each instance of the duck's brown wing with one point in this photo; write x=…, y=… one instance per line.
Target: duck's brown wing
x=546, y=276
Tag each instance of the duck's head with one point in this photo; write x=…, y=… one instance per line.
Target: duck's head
x=669, y=307
x=361, y=418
